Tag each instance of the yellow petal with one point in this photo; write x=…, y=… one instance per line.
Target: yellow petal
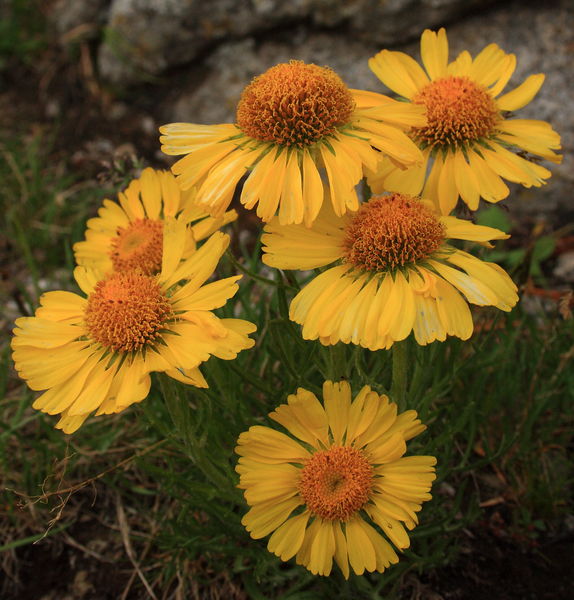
x=514, y=167
x=521, y=95
x=216, y=191
x=434, y=52
x=170, y=193
x=453, y=311
x=447, y=190
x=393, y=529
x=322, y=550
x=70, y=424
x=304, y=417
x=461, y=65
x=292, y=209
x=337, y=399
x=271, y=187
x=312, y=189
x=86, y=279
x=474, y=290
x=287, y=539
x=61, y=306
x=341, y=555
x=489, y=65
x=399, y=72
x=341, y=182
x=492, y=188
x=384, y=553
x=41, y=333
x=466, y=182
x=465, y=230
x=199, y=266
x=265, y=518
x=386, y=449
x=151, y=193
x=360, y=548
x=208, y=297
x=270, y=446
x=536, y=137
x=507, y=69
x=182, y=138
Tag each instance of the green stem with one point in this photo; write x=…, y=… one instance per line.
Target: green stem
x=183, y=418
x=337, y=362
x=399, y=381
x=254, y=276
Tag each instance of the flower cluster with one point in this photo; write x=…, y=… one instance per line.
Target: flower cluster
x=336, y=486
x=147, y=306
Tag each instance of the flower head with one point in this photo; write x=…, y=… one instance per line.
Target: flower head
x=297, y=127
x=470, y=139
x=96, y=353
x=294, y=104
x=395, y=273
x=129, y=235
x=329, y=489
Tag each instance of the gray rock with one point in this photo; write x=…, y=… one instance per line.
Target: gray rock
x=232, y=66
x=146, y=37
x=541, y=37
x=67, y=15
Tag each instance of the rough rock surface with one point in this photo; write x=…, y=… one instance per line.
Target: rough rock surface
x=204, y=53
x=146, y=37
x=68, y=15
x=541, y=37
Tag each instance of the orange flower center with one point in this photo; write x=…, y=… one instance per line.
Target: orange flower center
x=138, y=246
x=459, y=111
x=126, y=311
x=294, y=104
x=336, y=483
x=391, y=231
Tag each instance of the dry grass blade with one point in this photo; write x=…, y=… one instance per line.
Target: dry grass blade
x=125, y=533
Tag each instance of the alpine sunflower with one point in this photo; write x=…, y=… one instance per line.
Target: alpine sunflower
x=470, y=138
x=294, y=123
x=96, y=353
x=329, y=489
x=129, y=234
x=395, y=273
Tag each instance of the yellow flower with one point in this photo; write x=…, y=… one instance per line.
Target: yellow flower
x=96, y=353
x=294, y=122
x=129, y=235
x=320, y=493
x=395, y=273
x=473, y=143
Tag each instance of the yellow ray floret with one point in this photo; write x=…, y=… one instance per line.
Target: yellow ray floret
x=336, y=486
x=470, y=142
x=96, y=353
x=392, y=272
x=129, y=234
x=299, y=131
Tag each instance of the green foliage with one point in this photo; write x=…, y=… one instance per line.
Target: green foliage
x=531, y=257
x=492, y=215
x=22, y=31
x=498, y=403
x=43, y=210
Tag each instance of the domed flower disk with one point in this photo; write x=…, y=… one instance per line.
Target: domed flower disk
x=297, y=127
x=129, y=234
x=336, y=485
x=95, y=353
x=395, y=272
x=470, y=136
